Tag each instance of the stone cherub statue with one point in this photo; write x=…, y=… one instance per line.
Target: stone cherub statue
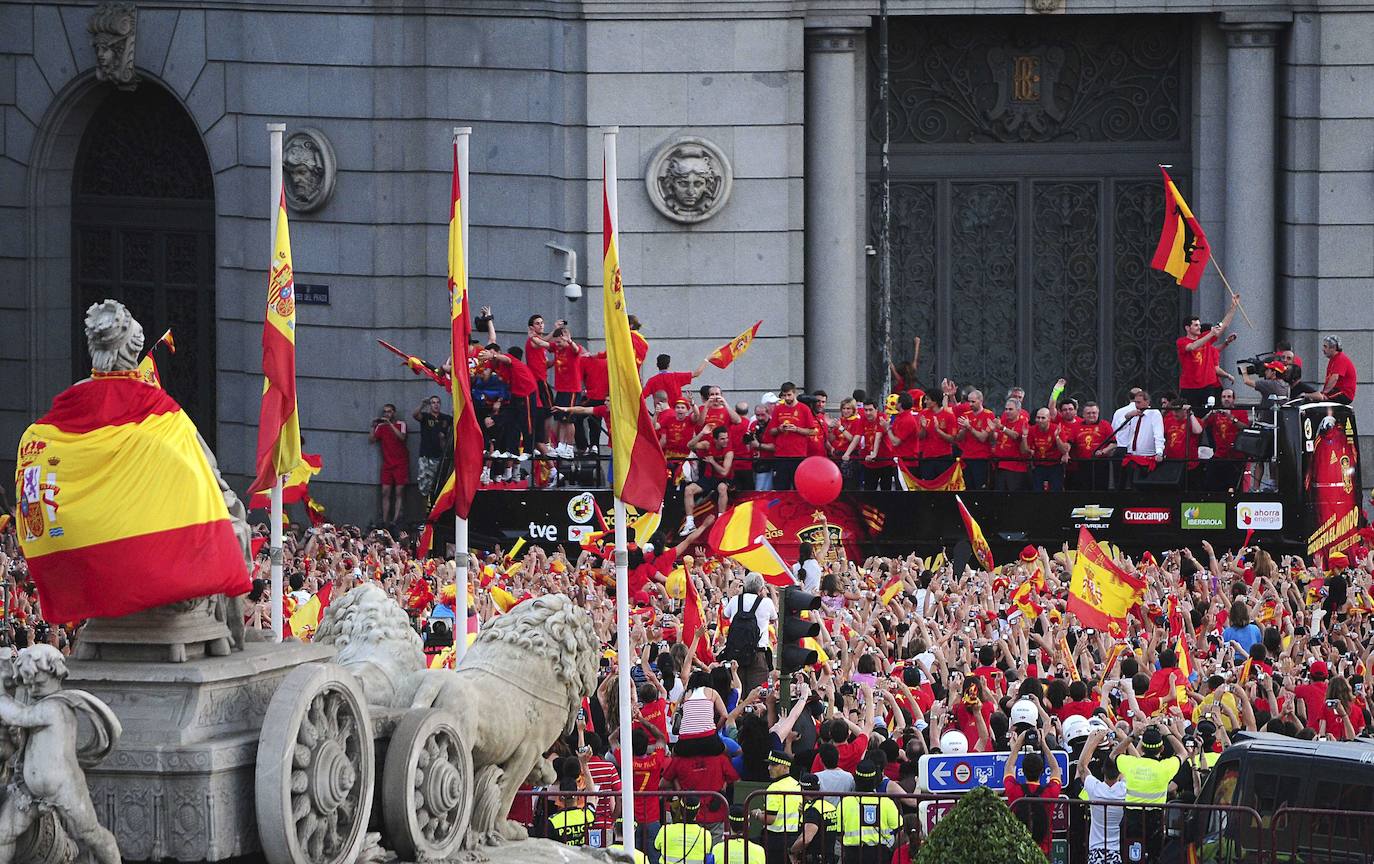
x=44, y=767
x=112, y=29
x=115, y=341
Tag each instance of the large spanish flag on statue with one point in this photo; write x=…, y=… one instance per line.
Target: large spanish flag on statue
x=1101, y=592
x=640, y=469
x=1183, y=251
x=279, y=427
x=467, y=435
x=119, y=510
x=741, y=533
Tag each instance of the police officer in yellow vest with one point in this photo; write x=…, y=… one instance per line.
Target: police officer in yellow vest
x=736, y=849
x=684, y=842
x=781, y=813
x=1149, y=776
x=820, y=828
x=568, y=824
x=867, y=822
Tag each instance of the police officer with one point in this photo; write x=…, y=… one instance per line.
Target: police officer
x=684, y=842
x=867, y=822
x=781, y=813
x=568, y=824
x=820, y=827
x=737, y=849
x=1149, y=776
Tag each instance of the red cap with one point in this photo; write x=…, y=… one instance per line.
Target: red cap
x=1277, y=365
x=681, y=401
x=1029, y=553
x=1319, y=670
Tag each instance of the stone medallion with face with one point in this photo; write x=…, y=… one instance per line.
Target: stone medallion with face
x=688, y=180
x=308, y=169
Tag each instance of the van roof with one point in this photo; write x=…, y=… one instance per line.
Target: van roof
x=1359, y=751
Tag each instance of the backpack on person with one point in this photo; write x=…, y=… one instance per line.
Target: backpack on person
x=743, y=639
x=1034, y=815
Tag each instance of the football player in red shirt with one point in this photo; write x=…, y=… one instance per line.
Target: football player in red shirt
x=675, y=432
x=1227, y=465
x=715, y=412
x=1092, y=439
x=596, y=384
x=790, y=431
x=976, y=438
x=1048, y=454
x=567, y=390
x=817, y=445
x=1199, y=358
x=1182, y=432
x=670, y=383
x=717, y=470
x=1013, y=469
x=939, y=427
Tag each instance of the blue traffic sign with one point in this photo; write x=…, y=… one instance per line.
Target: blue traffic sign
x=960, y=772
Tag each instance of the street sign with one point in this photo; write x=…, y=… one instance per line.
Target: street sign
x=932, y=812
x=960, y=772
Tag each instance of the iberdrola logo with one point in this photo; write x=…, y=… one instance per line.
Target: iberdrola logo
x=1190, y=513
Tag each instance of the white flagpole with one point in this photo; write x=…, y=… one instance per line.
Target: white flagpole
x=274, y=135
x=460, y=525
x=622, y=568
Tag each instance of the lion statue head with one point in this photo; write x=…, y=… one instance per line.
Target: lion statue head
x=375, y=642
x=554, y=629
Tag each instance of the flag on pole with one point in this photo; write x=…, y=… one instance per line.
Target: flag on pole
x=981, y=550
x=891, y=589
x=279, y=428
x=448, y=494
x=694, y=623
x=294, y=488
x=735, y=348
x=467, y=435
x=1183, y=251
x=1100, y=591
x=741, y=533
x=642, y=472
x=147, y=367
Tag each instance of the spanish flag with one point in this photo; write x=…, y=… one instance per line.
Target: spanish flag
x=147, y=367
x=467, y=435
x=1183, y=251
x=295, y=487
x=981, y=550
x=951, y=480
x=642, y=474
x=891, y=589
x=1101, y=593
x=741, y=533
x=279, y=427
x=444, y=502
x=694, y=622
x=119, y=510
x=735, y=348
x=307, y=617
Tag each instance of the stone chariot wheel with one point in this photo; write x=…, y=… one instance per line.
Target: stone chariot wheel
x=315, y=771
x=427, y=786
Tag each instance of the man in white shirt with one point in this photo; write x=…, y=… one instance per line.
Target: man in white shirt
x=1104, y=834
x=1139, y=433
x=755, y=672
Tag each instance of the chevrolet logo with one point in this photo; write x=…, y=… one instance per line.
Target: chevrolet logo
x=1092, y=512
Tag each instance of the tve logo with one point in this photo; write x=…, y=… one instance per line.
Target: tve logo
x=1259, y=515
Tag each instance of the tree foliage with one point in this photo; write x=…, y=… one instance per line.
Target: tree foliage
x=980, y=830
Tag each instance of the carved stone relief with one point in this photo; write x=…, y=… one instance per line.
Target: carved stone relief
x=112, y=27
x=308, y=169
x=689, y=180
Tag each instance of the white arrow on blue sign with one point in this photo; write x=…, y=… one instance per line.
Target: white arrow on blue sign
x=960, y=772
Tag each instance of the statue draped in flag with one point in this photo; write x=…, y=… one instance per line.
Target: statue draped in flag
x=279, y=428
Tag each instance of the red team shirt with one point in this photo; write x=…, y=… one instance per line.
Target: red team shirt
x=969, y=445
x=1225, y=427
x=932, y=445
x=1179, y=440
x=1088, y=437
x=567, y=369
x=671, y=383
x=1009, y=449
x=791, y=445
x=1197, y=369
x=1042, y=445
x=537, y=359
x=676, y=434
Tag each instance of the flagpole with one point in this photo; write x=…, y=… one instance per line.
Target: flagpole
x=624, y=657
x=1213, y=258
x=274, y=135
x=460, y=525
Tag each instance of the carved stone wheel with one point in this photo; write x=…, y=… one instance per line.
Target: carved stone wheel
x=315, y=771
x=45, y=842
x=427, y=786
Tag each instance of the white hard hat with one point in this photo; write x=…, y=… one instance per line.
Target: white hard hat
x=1077, y=726
x=953, y=741
x=1024, y=713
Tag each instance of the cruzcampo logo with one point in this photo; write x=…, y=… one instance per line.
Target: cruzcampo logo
x=1205, y=516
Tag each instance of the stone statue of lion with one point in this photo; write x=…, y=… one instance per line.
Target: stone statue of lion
x=376, y=643
x=518, y=689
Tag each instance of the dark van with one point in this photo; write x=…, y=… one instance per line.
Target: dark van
x=1285, y=780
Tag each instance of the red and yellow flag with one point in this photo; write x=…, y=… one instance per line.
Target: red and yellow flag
x=444, y=502
x=642, y=474
x=982, y=552
x=279, y=427
x=467, y=435
x=295, y=487
x=1183, y=251
x=951, y=480
x=741, y=533
x=694, y=622
x=891, y=589
x=147, y=367
x=735, y=348
x=119, y=510
x=1100, y=591
x=307, y=617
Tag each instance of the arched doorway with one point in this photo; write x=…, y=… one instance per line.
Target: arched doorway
x=143, y=230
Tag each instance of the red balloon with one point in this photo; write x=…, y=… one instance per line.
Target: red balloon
x=818, y=480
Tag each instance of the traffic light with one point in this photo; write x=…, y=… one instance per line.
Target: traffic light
x=794, y=628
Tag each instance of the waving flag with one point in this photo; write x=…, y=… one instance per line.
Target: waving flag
x=741, y=533
x=694, y=622
x=147, y=367
x=981, y=550
x=640, y=469
x=442, y=503
x=891, y=589
x=307, y=617
x=950, y=480
x=735, y=348
x=1183, y=251
x=295, y=487
x=119, y=510
x=279, y=427
x=467, y=435
x=1101, y=593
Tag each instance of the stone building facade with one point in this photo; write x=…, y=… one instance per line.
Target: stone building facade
x=133, y=163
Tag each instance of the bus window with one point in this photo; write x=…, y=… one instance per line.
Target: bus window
x=1272, y=791
x=1222, y=791
x=1352, y=836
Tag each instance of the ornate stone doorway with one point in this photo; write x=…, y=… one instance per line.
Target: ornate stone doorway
x=143, y=223
x=1026, y=202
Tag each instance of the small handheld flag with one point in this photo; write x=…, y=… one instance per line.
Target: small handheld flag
x=735, y=348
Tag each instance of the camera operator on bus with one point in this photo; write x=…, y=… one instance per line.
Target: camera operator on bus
x=1274, y=391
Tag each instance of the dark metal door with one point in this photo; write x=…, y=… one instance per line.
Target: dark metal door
x=143, y=221
x=1026, y=202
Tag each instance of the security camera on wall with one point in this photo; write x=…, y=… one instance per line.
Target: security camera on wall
x=572, y=292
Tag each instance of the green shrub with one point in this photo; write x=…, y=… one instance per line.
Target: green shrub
x=980, y=830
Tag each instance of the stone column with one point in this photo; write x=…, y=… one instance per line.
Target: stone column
x=835, y=349
x=1250, y=251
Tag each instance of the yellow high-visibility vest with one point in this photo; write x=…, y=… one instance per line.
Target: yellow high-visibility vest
x=683, y=843
x=786, y=809
x=1147, y=780
x=570, y=826
x=738, y=850
x=868, y=820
